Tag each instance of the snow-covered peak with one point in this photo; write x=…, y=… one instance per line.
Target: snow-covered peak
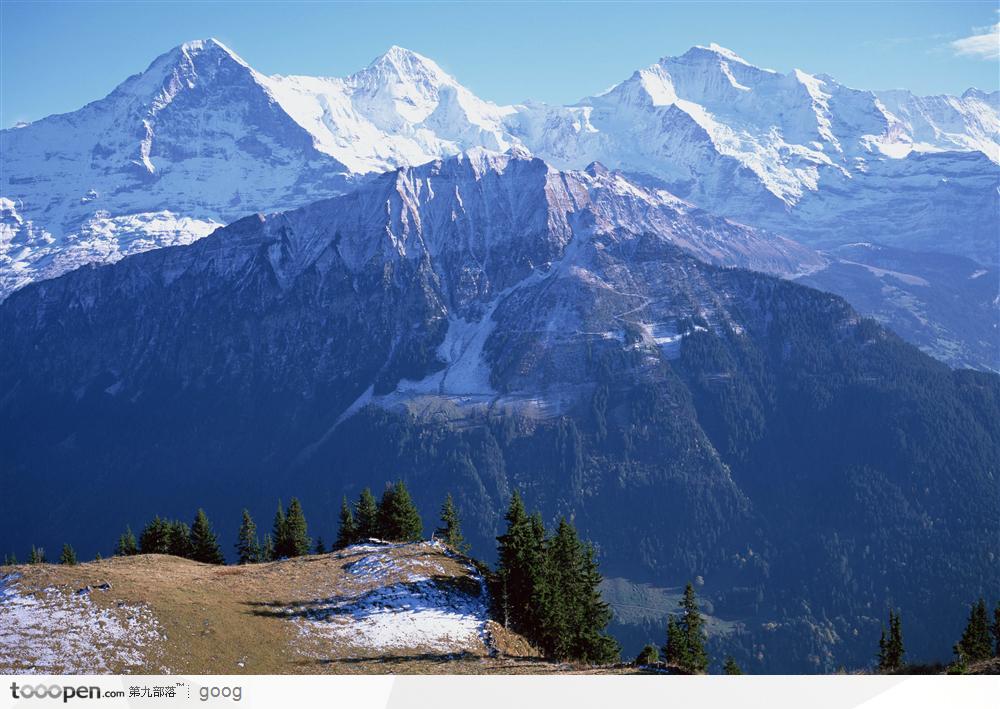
x=719, y=50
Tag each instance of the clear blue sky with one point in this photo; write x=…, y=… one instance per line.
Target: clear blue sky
x=57, y=56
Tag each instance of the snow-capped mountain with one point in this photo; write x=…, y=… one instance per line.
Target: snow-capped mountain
x=195, y=141
x=200, y=138
x=794, y=152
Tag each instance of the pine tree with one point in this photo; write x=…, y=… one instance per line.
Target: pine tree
x=890, y=647
x=10, y=559
x=649, y=655
x=347, y=533
x=975, y=644
x=398, y=519
x=730, y=667
x=520, y=566
x=279, y=533
x=366, y=514
x=297, y=541
x=155, y=537
x=204, y=545
x=98, y=556
x=179, y=540
x=247, y=546
x=68, y=556
x=574, y=616
x=696, y=660
x=267, y=551
x=685, y=647
x=450, y=531
x=126, y=544
x=320, y=546
x=37, y=555
x=674, y=651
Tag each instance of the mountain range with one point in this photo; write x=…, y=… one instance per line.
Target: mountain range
x=607, y=306
x=200, y=139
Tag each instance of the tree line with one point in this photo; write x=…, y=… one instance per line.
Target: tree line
x=980, y=641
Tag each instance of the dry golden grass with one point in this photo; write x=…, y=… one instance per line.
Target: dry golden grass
x=238, y=619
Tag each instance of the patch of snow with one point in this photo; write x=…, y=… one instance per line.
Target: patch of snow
x=53, y=632
x=415, y=612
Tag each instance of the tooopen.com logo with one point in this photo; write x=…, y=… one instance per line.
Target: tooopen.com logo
x=55, y=691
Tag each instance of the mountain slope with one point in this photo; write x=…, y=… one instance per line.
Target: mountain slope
x=366, y=608
x=693, y=419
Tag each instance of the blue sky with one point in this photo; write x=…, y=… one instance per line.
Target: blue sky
x=57, y=56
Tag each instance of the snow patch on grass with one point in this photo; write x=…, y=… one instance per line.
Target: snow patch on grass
x=57, y=632
x=395, y=603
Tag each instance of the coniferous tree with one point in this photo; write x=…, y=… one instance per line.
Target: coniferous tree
x=320, y=546
x=98, y=557
x=890, y=646
x=730, y=667
x=267, y=550
x=297, y=541
x=573, y=614
x=398, y=519
x=366, y=516
x=68, y=556
x=279, y=533
x=347, y=533
x=520, y=564
x=247, y=545
x=674, y=650
x=649, y=655
x=155, y=537
x=685, y=637
x=450, y=531
x=204, y=545
x=179, y=539
x=37, y=555
x=127, y=545
x=10, y=559
x=975, y=644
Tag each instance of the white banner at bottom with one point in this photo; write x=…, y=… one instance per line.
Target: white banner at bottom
x=506, y=692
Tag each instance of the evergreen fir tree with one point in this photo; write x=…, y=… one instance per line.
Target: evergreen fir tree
x=398, y=519
x=37, y=555
x=320, y=546
x=674, y=651
x=247, y=546
x=297, y=541
x=450, y=531
x=155, y=537
x=975, y=644
x=685, y=647
x=204, y=545
x=98, y=556
x=268, y=549
x=68, y=556
x=692, y=625
x=279, y=533
x=649, y=655
x=10, y=559
x=347, y=533
x=127, y=545
x=890, y=647
x=179, y=539
x=520, y=565
x=366, y=515
x=730, y=667
x=573, y=614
